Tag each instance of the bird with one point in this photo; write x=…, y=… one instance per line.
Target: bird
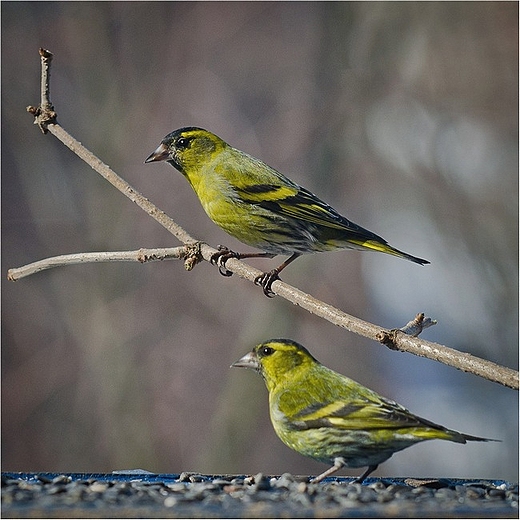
x=259, y=206
x=330, y=418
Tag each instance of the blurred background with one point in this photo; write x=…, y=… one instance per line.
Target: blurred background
x=403, y=116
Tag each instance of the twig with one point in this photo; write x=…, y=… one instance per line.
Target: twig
x=44, y=113
x=395, y=339
x=140, y=255
x=418, y=324
x=398, y=340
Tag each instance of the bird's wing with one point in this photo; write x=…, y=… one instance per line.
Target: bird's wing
x=300, y=204
x=356, y=413
x=254, y=182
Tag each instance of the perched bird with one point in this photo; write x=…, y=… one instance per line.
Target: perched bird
x=331, y=418
x=259, y=206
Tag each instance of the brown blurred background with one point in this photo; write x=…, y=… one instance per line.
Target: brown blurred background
x=404, y=116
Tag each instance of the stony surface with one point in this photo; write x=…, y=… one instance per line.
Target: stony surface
x=189, y=495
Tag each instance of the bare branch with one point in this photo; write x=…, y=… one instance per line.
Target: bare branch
x=140, y=255
x=44, y=113
x=454, y=358
x=395, y=339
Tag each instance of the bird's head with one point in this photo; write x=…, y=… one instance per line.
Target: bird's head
x=188, y=149
x=275, y=359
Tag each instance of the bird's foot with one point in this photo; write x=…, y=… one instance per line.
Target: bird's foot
x=265, y=280
x=221, y=257
x=362, y=477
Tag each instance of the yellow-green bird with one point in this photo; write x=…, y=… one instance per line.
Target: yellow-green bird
x=259, y=206
x=331, y=418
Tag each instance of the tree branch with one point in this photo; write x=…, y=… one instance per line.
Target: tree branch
x=44, y=112
x=193, y=250
x=140, y=255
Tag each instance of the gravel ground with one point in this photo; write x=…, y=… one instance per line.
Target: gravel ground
x=191, y=495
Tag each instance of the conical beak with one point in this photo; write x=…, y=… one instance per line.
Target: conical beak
x=161, y=154
x=250, y=360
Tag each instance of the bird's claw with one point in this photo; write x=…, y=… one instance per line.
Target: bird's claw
x=221, y=257
x=265, y=280
x=223, y=271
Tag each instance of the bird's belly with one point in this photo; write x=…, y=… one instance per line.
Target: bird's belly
x=357, y=448
x=259, y=228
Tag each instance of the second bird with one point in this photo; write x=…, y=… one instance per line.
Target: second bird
x=259, y=206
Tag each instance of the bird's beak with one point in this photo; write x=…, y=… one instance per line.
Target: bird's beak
x=250, y=360
x=160, y=154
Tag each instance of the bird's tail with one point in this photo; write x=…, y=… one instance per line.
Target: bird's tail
x=478, y=439
x=384, y=247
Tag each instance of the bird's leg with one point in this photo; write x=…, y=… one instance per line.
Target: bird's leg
x=266, y=279
x=369, y=470
x=224, y=254
x=338, y=464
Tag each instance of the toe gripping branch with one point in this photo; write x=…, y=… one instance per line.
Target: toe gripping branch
x=264, y=280
x=221, y=257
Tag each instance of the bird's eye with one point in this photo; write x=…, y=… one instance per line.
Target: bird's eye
x=183, y=143
x=267, y=351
